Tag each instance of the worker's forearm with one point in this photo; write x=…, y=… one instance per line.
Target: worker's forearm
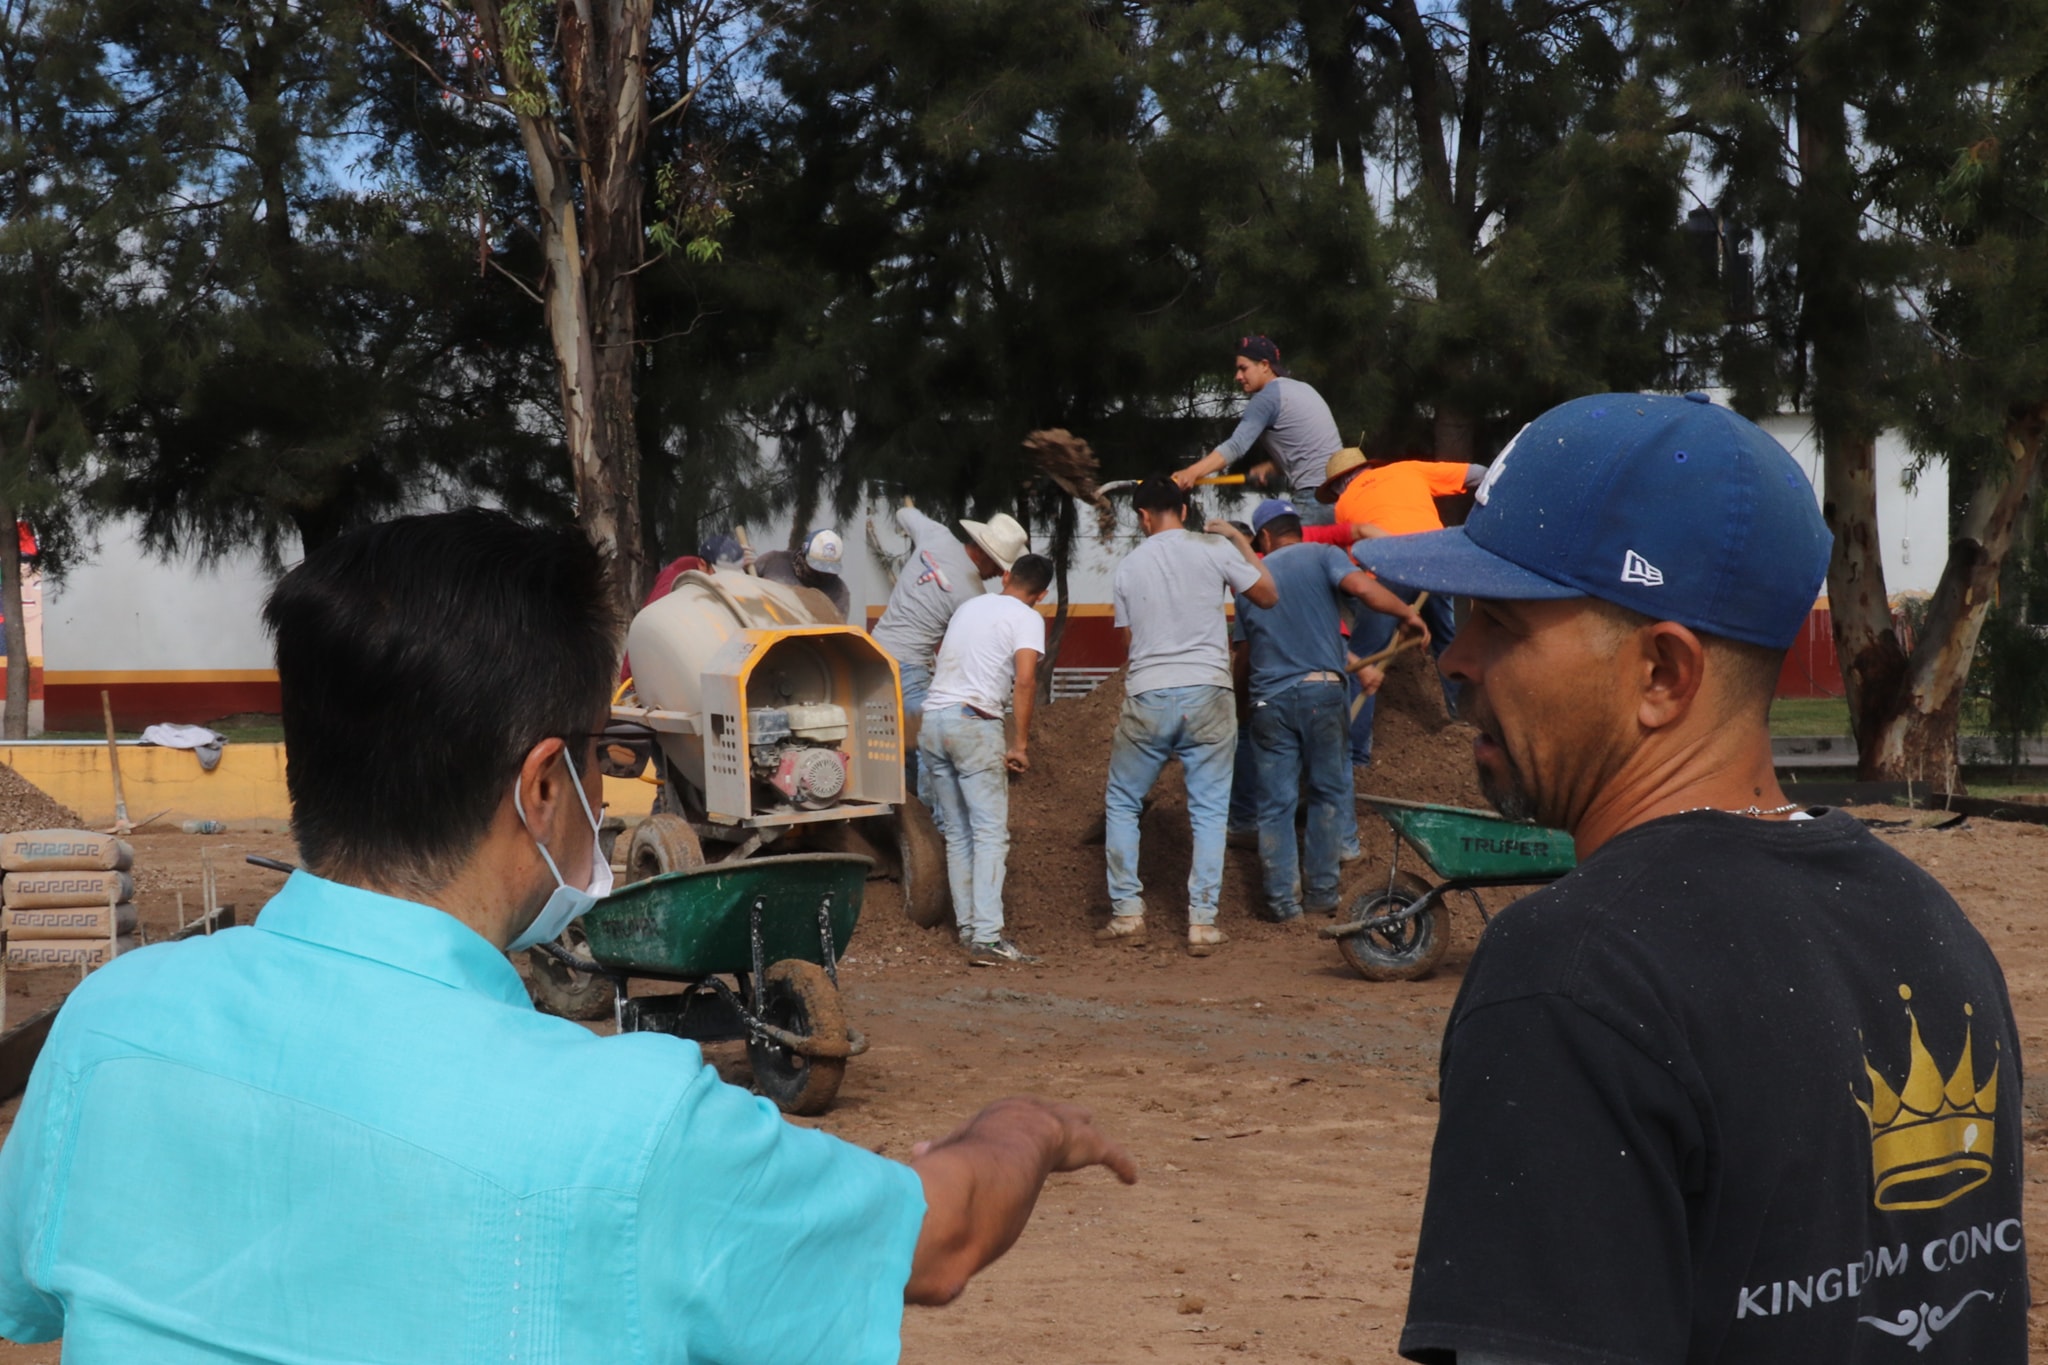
x=1023, y=697
x=979, y=1189
x=1377, y=596
x=1208, y=464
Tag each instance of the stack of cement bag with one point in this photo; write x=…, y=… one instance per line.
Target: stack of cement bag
x=68, y=898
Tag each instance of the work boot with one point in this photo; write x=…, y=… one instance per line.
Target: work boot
x=1000, y=953
x=1204, y=939
x=1122, y=929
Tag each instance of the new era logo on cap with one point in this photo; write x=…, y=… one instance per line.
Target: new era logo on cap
x=1636, y=569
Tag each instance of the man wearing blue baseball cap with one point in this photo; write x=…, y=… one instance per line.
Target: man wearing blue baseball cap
x=1742, y=1087
x=1293, y=660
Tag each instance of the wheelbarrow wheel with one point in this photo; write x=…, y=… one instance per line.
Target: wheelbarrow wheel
x=662, y=843
x=927, y=896
x=800, y=997
x=1406, y=952
x=559, y=989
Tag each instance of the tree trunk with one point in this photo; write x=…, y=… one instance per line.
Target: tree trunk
x=1457, y=434
x=1832, y=322
x=1915, y=736
x=590, y=195
x=1873, y=662
x=16, y=722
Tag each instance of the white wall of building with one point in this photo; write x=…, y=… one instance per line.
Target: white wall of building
x=122, y=610
x=1912, y=508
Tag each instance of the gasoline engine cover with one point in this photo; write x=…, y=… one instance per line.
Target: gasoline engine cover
x=812, y=778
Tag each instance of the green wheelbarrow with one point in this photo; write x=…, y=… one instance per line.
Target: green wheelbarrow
x=774, y=926
x=1396, y=934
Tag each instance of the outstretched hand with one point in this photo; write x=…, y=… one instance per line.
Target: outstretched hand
x=1071, y=1140
x=981, y=1181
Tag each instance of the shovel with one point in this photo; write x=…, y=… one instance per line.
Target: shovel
x=1376, y=659
x=1118, y=485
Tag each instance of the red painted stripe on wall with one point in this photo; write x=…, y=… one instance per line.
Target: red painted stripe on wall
x=74, y=706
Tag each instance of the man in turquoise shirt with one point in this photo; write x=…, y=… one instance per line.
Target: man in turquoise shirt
x=344, y=1135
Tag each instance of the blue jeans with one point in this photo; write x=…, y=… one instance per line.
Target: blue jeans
x=1244, y=782
x=1373, y=631
x=963, y=764
x=1299, y=736
x=917, y=680
x=1197, y=725
x=1311, y=512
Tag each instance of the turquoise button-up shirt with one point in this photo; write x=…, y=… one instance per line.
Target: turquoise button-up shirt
x=344, y=1135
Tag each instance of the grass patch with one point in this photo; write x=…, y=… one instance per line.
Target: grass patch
x=1810, y=716
x=252, y=730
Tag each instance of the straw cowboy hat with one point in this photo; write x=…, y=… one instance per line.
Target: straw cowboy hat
x=1337, y=471
x=1000, y=538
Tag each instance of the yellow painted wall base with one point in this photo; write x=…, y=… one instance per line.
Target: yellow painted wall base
x=246, y=786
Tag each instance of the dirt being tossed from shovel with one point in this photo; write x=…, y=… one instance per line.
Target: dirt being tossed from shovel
x=1057, y=894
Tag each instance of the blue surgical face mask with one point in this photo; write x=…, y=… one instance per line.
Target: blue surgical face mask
x=565, y=904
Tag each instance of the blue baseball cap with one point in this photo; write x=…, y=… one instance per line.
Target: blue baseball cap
x=1269, y=509
x=1669, y=506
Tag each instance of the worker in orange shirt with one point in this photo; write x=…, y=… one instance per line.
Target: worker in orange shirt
x=1381, y=497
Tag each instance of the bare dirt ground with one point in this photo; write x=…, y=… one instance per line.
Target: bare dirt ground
x=1280, y=1107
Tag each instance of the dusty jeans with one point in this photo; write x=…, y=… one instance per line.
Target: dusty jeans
x=962, y=757
x=1197, y=725
x=1373, y=632
x=917, y=680
x=1299, y=735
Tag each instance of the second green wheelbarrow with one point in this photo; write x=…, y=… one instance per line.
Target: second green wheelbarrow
x=756, y=944
x=1396, y=934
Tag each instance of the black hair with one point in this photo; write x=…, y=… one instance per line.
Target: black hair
x=420, y=661
x=1159, y=493
x=1286, y=524
x=1032, y=573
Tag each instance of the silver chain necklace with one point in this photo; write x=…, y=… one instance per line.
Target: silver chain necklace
x=1757, y=812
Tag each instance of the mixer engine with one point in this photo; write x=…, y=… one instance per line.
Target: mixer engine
x=796, y=750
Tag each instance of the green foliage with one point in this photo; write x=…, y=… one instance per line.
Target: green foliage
x=2011, y=673
x=322, y=351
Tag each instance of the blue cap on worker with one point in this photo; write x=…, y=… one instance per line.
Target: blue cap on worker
x=1269, y=509
x=1669, y=506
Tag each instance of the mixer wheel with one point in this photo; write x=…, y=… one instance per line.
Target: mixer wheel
x=662, y=843
x=927, y=895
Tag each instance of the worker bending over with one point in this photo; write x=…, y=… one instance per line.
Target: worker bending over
x=1169, y=595
x=817, y=566
x=343, y=1134
x=1295, y=658
x=990, y=654
x=945, y=570
x=1286, y=419
x=1378, y=498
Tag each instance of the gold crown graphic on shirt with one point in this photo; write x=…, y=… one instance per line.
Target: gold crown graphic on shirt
x=1930, y=1139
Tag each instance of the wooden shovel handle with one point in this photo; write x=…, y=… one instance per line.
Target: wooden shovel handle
x=1398, y=647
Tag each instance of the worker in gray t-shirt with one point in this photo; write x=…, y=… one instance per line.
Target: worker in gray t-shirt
x=942, y=572
x=1169, y=595
x=1287, y=420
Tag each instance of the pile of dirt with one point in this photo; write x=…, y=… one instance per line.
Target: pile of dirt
x=1057, y=892
x=24, y=805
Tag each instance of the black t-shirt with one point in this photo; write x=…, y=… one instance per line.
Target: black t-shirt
x=1735, y=1090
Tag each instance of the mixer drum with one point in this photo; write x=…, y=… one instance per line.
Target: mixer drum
x=727, y=648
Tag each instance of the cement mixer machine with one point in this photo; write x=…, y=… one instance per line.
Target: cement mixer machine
x=767, y=717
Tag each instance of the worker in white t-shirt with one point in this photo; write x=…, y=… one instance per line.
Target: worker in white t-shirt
x=990, y=654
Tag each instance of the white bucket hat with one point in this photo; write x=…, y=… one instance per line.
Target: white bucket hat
x=1000, y=538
